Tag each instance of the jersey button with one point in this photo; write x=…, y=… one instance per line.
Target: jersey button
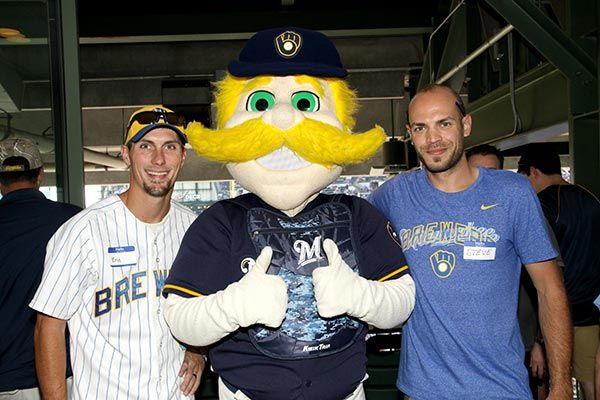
x=308, y=383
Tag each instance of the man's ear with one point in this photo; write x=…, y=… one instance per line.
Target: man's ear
x=467, y=122
x=40, y=178
x=125, y=155
x=408, y=132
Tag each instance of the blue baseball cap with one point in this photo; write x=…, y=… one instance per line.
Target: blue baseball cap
x=288, y=51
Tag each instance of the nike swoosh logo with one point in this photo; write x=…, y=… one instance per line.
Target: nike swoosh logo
x=484, y=207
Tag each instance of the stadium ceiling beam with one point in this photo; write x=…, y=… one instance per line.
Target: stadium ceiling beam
x=560, y=50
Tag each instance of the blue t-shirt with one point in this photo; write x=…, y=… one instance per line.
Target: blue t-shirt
x=465, y=251
x=214, y=254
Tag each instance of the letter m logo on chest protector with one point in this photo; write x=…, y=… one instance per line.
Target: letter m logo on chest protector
x=296, y=244
x=308, y=253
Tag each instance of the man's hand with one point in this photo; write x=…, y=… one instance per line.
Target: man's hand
x=191, y=372
x=537, y=363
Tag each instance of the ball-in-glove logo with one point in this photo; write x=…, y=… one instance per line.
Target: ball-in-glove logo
x=247, y=264
x=443, y=263
x=288, y=44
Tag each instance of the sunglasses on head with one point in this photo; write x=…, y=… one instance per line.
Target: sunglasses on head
x=156, y=116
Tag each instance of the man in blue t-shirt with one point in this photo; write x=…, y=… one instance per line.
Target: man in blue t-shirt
x=465, y=232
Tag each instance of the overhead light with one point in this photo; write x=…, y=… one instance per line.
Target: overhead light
x=8, y=32
x=13, y=35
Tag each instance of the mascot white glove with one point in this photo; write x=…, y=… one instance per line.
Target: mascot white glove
x=257, y=298
x=339, y=290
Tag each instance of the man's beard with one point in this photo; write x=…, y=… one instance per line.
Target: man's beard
x=447, y=165
x=158, y=191
x=456, y=156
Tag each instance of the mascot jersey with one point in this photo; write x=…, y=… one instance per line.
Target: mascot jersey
x=295, y=360
x=466, y=251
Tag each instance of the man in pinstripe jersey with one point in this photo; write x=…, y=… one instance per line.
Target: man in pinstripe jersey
x=104, y=272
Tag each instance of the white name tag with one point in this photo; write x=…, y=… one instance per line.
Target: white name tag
x=479, y=253
x=122, y=256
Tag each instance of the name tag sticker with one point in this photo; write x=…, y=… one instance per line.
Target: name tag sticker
x=479, y=253
x=124, y=256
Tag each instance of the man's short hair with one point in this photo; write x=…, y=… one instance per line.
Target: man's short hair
x=485, y=150
x=435, y=86
x=541, y=157
x=28, y=175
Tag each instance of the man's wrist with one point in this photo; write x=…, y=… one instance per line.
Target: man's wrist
x=539, y=340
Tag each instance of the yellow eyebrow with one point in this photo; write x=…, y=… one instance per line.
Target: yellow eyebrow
x=314, y=82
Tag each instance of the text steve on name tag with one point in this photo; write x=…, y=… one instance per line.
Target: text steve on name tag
x=479, y=253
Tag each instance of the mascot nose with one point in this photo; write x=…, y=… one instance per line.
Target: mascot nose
x=282, y=116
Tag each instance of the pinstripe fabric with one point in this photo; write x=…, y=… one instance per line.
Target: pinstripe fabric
x=121, y=348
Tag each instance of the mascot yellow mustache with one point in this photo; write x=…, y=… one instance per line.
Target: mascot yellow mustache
x=282, y=283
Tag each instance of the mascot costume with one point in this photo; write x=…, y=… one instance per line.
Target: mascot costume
x=283, y=282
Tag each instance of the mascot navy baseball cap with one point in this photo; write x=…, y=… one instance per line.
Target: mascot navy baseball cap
x=288, y=51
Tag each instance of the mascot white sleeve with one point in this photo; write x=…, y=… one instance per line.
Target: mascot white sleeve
x=283, y=282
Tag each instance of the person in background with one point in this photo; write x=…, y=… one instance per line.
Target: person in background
x=27, y=221
x=466, y=232
x=485, y=155
x=573, y=212
x=104, y=271
x=488, y=156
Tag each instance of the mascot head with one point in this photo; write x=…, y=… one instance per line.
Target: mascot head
x=284, y=119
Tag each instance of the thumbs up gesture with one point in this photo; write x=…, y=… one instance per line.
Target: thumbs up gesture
x=259, y=298
x=334, y=284
x=339, y=290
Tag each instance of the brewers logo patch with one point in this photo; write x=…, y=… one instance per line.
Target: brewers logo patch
x=443, y=263
x=288, y=44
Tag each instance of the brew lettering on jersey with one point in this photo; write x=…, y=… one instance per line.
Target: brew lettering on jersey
x=127, y=290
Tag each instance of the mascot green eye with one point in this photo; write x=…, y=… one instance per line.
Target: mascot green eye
x=305, y=101
x=259, y=101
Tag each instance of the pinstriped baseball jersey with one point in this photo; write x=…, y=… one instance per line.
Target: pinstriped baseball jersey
x=104, y=272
